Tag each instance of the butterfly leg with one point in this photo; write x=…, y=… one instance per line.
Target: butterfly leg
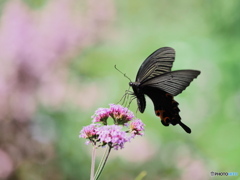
x=132, y=98
x=125, y=97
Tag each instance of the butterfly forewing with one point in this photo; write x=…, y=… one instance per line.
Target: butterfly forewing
x=172, y=82
x=159, y=62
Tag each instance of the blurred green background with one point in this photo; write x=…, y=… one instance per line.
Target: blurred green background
x=57, y=67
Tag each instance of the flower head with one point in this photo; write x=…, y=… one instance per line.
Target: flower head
x=101, y=115
x=120, y=114
x=136, y=127
x=89, y=132
x=113, y=135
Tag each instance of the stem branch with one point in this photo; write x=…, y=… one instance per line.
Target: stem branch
x=93, y=162
x=103, y=162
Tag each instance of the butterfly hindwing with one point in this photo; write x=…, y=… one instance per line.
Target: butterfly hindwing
x=166, y=107
x=173, y=82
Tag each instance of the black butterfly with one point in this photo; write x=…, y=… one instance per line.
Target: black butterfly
x=156, y=80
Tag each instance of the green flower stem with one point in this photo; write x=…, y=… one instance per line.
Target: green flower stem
x=93, y=162
x=103, y=162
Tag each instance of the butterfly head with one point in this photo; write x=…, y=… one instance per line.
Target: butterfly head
x=134, y=84
x=131, y=84
x=135, y=87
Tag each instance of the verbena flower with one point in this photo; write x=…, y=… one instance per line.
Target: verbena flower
x=101, y=115
x=125, y=127
x=113, y=136
x=89, y=132
x=100, y=133
x=120, y=114
x=137, y=127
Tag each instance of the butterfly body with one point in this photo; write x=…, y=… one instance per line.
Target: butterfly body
x=138, y=92
x=156, y=80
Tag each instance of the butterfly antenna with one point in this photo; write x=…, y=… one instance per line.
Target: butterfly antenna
x=115, y=66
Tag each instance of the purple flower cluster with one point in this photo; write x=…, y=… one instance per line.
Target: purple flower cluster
x=120, y=115
x=101, y=115
x=101, y=134
x=89, y=131
x=113, y=135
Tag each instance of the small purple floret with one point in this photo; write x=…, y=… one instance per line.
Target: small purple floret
x=137, y=127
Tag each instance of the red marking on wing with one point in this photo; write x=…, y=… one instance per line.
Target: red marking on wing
x=163, y=116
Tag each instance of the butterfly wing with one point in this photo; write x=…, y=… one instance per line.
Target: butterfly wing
x=172, y=82
x=165, y=107
x=159, y=62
